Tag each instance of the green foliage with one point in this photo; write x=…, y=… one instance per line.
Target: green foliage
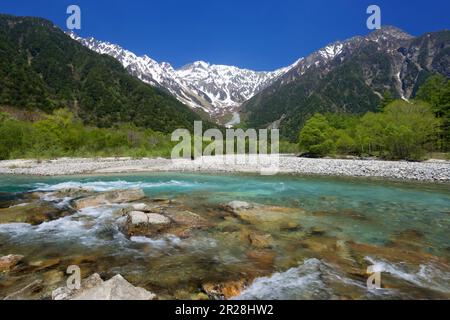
x=410, y=129
x=387, y=99
x=436, y=91
x=12, y=137
x=43, y=68
x=316, y=136
x=404, y=130
x=351, y=83
x=61, y=134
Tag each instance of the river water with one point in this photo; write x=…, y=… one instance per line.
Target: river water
x=337, y=228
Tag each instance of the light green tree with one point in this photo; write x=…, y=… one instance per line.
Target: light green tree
x=316, y=137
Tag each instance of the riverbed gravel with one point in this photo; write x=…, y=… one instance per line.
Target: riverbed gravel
x=432, y=170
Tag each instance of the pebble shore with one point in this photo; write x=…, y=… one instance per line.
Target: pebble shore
x=431, y=171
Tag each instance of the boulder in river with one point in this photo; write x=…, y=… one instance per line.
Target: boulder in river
x=187, y=218
x=145, y=224
x=110, y=197
x=33, y=213
x=94, y=288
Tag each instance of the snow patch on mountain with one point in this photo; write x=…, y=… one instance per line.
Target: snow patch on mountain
x=215, y=89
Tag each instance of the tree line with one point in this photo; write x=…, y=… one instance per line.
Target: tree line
x=62, y=134
x=399, y=130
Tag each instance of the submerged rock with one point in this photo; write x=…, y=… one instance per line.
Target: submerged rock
x=187, y=218
x=44, y=264
x=408, y=239
x=33, y=213
x=224, y=290
x=271, y=219
x=94, y=288
x=110, y=197
x=67, y=193
x=261, y=241
x=262, y=259
x=7, y=263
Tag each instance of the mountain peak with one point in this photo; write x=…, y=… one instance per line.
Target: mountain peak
x=216, y=89
x=389, y=33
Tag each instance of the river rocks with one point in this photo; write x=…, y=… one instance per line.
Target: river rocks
x=270, y=218
x=72, y=193
x=263, y=260
x=110, y=197
x=224, y=290
x=44, y=264
x=116, y=288
x=7, y=263
x=94, y=288
x=317, y=231
x=408, y=239
x=145, y=224
x=53, y=277
x=28, y=292
x=187, y=218
x=64, y=293
x=33, y=213
x=239, y=205
x=261, y=241
x=141, y=207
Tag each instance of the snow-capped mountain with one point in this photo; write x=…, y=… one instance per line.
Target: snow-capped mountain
x=350, y=76
x=215, y=89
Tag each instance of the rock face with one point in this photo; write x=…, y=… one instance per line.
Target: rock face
x=7, y=263
x=117, y=196
x=94, y=288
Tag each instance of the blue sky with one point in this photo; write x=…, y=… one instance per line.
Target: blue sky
x=255, y=34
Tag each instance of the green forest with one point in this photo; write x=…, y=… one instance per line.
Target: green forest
x=400, y=129
x=61, y=134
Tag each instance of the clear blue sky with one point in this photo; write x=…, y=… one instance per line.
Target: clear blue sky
x=255, y=34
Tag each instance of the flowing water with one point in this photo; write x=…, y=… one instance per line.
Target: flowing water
x=336, y=229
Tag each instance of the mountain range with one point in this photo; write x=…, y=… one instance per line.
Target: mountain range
x=351, y=76
x=44, y=68
x=346, y=76
x=213, y=89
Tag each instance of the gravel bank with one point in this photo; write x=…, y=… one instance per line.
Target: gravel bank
x=433, y=170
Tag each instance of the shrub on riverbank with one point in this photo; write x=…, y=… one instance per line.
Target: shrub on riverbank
x=60, y=134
